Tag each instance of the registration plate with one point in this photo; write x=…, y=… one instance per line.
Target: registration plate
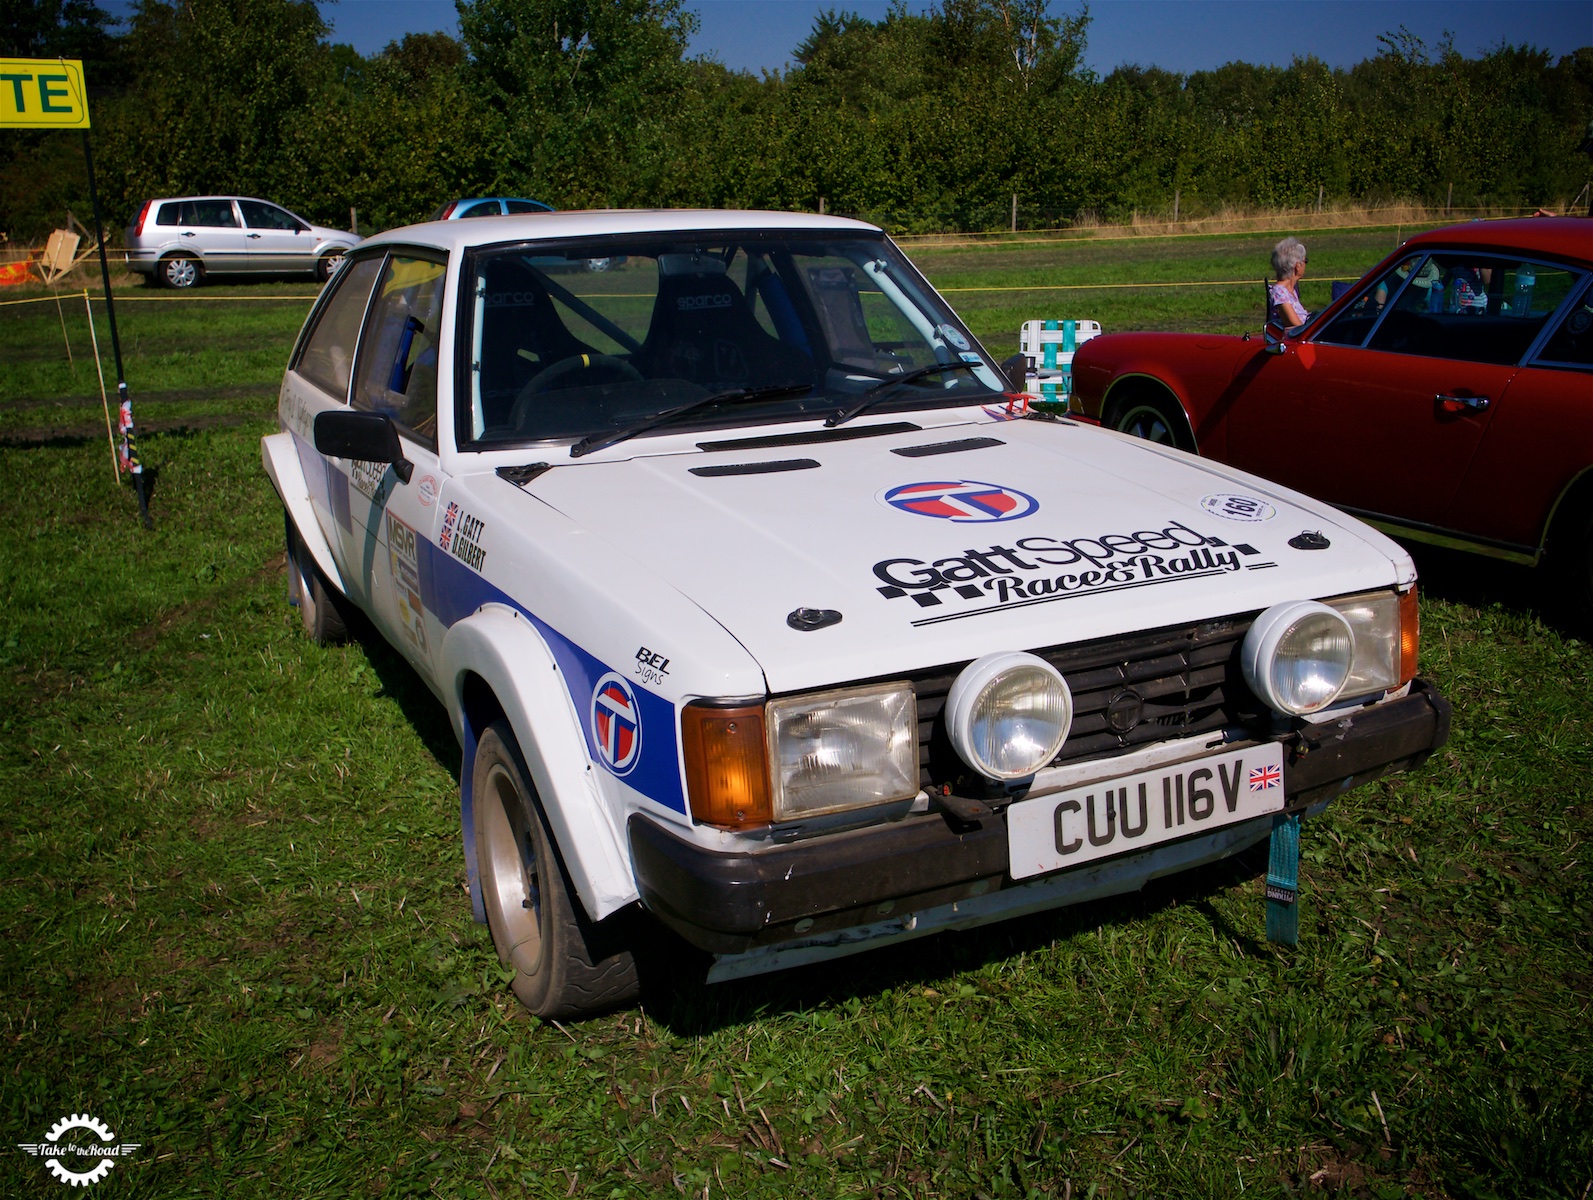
x=1131, y=812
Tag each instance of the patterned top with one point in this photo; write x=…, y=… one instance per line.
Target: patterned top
x=1281, y=294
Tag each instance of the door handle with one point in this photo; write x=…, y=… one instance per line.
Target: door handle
x=255, y=236
x=1458, y=405
x=189, y=233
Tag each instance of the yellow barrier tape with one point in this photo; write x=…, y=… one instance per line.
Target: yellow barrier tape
x=141, y=299
x=1284, y=225
x=1096, y=287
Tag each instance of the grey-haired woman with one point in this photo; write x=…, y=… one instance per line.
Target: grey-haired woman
x=1288, y=268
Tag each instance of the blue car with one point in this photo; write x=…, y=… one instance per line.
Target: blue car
x=497, y=206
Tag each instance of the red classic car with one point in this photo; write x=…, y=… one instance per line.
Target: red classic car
x=1447, y=397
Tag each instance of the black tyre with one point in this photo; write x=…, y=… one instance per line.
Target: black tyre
x=326, y=266
x=1154, y=419
x=320, y=605
x=180, y=271
x=564, y=965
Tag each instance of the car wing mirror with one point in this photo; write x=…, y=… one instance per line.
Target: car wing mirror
x=1274, y=336
x=1016, y=372
x=366, y=436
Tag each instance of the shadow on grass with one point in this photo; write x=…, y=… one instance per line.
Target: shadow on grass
x=1479, y=582
x=676, y=996
x=403, y=685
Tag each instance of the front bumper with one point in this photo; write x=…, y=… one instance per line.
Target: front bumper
x=832, y=889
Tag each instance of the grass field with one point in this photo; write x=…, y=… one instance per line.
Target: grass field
x=233, y=923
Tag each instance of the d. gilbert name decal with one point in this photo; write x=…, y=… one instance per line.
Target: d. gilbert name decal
x=461, y=536
x=1039, y=569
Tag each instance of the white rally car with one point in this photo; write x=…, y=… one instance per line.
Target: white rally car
x=759, y=606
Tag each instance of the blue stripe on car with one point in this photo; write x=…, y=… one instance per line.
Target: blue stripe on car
x=452, y=591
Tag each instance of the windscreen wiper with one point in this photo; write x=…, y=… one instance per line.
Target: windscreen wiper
x=875, y=394
x=601, y=441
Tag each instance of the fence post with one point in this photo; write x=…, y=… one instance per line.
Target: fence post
x=1449, y=199
x=821, y=206
x=354, y=220
x=1319, y=199
x=1176, y=195
x=1014, y=212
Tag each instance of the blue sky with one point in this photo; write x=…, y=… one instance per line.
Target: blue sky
x=1180, y=35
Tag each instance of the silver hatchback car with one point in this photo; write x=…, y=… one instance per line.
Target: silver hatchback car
x=179, y=241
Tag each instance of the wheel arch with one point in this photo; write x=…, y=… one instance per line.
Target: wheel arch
x=1573, y=503
x=196, y=254
x=1142, y=384
x=497, y=664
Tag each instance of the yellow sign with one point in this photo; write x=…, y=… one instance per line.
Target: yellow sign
x=42, y=93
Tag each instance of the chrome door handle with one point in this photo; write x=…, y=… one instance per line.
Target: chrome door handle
x=1462, y=404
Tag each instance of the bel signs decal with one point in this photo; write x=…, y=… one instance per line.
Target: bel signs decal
x=961, y=501
x=1039, y=569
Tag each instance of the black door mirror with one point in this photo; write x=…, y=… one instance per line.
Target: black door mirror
x=366, y=436
x=1016, y=369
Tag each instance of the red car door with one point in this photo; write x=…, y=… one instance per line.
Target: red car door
x=1389, y=427
x=1541, y=436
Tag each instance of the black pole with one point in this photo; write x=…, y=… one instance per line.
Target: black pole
x=124, y=400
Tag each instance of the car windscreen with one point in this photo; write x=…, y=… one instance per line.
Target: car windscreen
x=586, y=338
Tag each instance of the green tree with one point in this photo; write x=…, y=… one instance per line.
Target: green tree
x=585, y=89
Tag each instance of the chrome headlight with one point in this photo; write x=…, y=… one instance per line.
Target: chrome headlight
x=1008, y=714
x=1297, y=656
x=843, y=749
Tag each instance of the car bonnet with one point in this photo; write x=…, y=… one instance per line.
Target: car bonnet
x=1016, y=535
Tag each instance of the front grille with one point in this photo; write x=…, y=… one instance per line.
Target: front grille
x=1188, y=678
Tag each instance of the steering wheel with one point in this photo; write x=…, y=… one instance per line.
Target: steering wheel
x=579, y=370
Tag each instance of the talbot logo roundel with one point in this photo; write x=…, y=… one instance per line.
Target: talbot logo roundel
x=962, y=501
x=616, y=724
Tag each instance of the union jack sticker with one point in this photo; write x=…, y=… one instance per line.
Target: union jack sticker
x=1264, y=778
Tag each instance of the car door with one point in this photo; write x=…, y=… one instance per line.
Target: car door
x=319, y=380
x=1382, y=411
x=209, y=229
x=393, y=519
x=277, y=241
x=1541, y=436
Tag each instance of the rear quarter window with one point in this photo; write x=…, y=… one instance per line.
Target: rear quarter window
x=327, y=359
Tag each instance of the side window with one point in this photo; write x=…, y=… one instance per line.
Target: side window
x=1352, y=325
x=328, y=356
x=1465, y=312
x=211, y=214
x=170, y=213
x=1571, y=345
x=482, y=208
x=257, y=215
x=526, y=206
x=397, y=371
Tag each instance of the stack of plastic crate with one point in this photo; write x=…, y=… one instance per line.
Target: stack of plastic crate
x=1048, y=347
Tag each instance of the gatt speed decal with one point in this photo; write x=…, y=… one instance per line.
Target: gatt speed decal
x=961, y=501
x=1040, y=569
x=1233, y=507
x=616, y=724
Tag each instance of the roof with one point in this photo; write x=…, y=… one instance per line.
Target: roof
x=1556, y=237
x=451, y=235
